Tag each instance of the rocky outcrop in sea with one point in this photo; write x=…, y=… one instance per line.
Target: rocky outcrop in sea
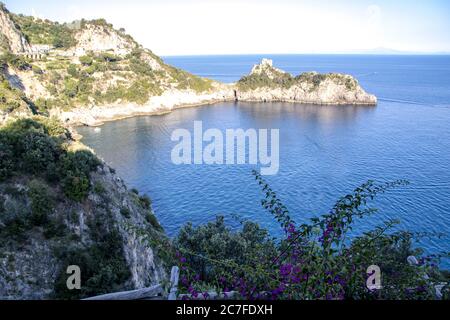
x=266, y=83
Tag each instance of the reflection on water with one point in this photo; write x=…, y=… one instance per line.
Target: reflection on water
x=319, y=114
x=325, y=151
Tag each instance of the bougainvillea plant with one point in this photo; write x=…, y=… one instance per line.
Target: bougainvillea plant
x=311, y=261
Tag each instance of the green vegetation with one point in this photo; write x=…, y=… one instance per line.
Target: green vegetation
x=316, y=79
x=150, y=218
x=35, y=157
x=74, y=84
x=11, y=99
x=98, y=78
x=41, y=201
x=125, y=212
x=39, y=31
x=315, y=260
x=99, y=188
x=37, y=146
x=16, y=218
x=104, y=267
x=18, y=62
x=262, y=80
x=86, y=60
x=145, y=201
x=218, y=242
x=286, y=80
x=186, y=80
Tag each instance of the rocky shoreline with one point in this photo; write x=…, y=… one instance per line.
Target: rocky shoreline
x=167, y=102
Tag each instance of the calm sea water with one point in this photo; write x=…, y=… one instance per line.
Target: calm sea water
x=325, y=151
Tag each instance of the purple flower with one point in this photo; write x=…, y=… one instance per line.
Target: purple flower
x=285, y=270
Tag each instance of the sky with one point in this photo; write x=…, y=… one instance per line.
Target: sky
x=190, y=27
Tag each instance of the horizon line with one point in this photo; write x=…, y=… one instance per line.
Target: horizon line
x=312, y=53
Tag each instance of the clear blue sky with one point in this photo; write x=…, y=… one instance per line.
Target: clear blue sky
x=263, y=26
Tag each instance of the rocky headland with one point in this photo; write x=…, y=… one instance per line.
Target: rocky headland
x=267, y=83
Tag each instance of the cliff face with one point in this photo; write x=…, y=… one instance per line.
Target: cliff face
x=266, y=83
x=45, y=226
x=266, y=68
x=89, y=65
x=101, y=38
x=33, y=264
x=11, y=39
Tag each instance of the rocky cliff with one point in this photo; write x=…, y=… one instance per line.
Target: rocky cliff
x=11, y=39
x=89, y=64
x=33, y=263
x=266, y=83
x=61, y=206
x=101, y=37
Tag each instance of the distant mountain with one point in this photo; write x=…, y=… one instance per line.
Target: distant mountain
x=390, y=51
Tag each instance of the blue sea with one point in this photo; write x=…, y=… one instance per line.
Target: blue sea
x=325, y=151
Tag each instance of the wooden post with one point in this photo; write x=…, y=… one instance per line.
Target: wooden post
x=138, y=294
x=174, y=275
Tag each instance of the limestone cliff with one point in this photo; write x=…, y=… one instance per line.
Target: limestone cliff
x=11, y=39
x=266, y=83
x=33, y=266
x=86, y=64
x=46, y=224
x=101, y=37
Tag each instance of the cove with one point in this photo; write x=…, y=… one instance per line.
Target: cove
x=325, y=152
x=238, y=147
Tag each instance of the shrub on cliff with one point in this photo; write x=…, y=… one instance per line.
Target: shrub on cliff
x=74, y=170
x=86, y=60
x=70, y=88
x=15, y=61
x=38, y=146
x=6, y=157
x=37, y=151
x=186, y=80
x=10, y=98
x=38, y=31
x=255, y=81
x=41, y=201
x=104, y=267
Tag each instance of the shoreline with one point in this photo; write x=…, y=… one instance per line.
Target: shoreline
x=157, y=105
x=150, y=113
x=165, y=109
